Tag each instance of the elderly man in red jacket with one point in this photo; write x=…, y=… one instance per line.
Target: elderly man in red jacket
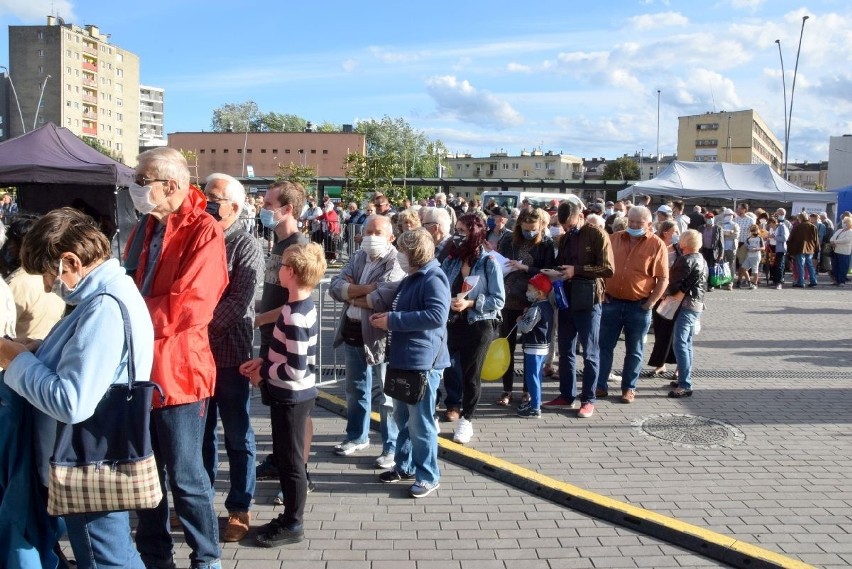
x=177, y=257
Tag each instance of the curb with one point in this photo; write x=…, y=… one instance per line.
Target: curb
x=700, y=540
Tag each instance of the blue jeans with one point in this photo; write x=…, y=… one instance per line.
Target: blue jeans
x=684, y=330
x=802, y=261
x=176, y=435
x=102, y=540
x=417, y=445
x=618, y=315
x=582, y=326
x=365, y=390
x=532, y=377
x=231, y=403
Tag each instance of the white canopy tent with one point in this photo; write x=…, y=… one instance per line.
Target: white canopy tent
x=696, y=180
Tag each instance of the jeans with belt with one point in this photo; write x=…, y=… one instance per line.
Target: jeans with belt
x=579, y=326
x=634, y=320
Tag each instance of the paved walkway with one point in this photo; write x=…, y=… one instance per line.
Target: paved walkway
x=769, y=465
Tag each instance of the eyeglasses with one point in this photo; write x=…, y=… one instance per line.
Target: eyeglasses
x=216, y=199
x=143, y=181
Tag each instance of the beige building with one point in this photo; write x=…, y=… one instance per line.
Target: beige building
x=261, y=154
x=90, y=86
x=808, y=175
x=536, y=164
x=739, y=137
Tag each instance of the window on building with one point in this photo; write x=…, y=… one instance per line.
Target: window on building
x=40, y=35
x=212, y=151
x=67, y=53
x=119, y=116
x=118, y=147
x=275, y=151
x=263, y=151
x=118, y=131
x=287, y=151
x=41, y=53
x=118, y=101
x=239, y=150
x=224, y=151
x=538, y=165
x=313, y=151
x=68, y=103
x=201, y=151
x=119, y=72
x=325, y=151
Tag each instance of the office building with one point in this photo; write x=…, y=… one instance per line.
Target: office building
x=739, y=137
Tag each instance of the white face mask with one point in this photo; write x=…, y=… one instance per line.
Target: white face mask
x=404, y=264
x=141, y=196
x=555, y=231
x=61, y=289
x=374, y=245
x=532, y=296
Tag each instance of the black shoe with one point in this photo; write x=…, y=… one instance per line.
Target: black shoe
x=392, y=476
x=267, y=470
x=796, y=285
x=274, y=534
x=311, y=485
x=812, y=285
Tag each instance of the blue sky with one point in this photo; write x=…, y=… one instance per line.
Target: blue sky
x=575, y=77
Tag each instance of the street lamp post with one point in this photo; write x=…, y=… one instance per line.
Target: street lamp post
x=658, y=134
x=40, y=95
x=784, y=88
x=15, y=93
x=792, y=93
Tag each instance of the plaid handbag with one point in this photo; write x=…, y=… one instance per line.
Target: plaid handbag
x=106, y=463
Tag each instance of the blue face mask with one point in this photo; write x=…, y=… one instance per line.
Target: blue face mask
x=267, y=218
x=490, y=223
x=675, y=239
x=636, y=232
x=530, y=234
x=213, y=209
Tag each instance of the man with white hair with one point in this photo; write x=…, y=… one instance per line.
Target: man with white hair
x=436, y=221
x=231, y=333
x=176, y=255
x=366, y=286
x=441, y=202
x=641, y=274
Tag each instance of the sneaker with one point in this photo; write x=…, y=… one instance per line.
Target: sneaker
x=778, y=287
x=529, y=412
x=237, y=528
x=601, y=393
x=422, y=489
x=385, y=460
x=278, y=500
x=586, y=410
x=274, y=534
x=393, y=476
x=812, y=285
x=751, y=286
x=739, y=284
x=628, y=395
x=267, y=470
x=559, y=402
x=463, y=432
x=347, y=447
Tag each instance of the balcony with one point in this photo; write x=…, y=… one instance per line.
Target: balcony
x=90, y=66
x=91, y=130
x=90, y=49
x=90, y=83
x=90, y=99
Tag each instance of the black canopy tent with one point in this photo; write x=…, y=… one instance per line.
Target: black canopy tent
x=51, y=168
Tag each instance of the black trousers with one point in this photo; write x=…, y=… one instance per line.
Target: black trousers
x=467, y=344
x=510, y=318
x=289, y=422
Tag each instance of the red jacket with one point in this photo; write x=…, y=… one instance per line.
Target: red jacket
x=190, y=277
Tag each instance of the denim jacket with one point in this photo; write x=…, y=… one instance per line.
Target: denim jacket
x=488, y=295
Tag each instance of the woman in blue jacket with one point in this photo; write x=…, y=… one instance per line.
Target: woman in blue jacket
x=417, y=341
x=80, y=358
x=474, y=318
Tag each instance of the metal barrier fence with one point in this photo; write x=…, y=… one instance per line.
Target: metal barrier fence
x=332, y=366
x=338, y=248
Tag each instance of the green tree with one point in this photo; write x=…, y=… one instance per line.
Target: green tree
x=623, y=168
x=93, y=142
x=236, y=117
x=369, y=175
x=280, y=122
x=303, y=175
x=326, y=126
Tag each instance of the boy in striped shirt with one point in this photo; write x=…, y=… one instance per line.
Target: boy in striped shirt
x=287, y=379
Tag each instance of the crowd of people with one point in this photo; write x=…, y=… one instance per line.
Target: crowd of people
x=426, y=290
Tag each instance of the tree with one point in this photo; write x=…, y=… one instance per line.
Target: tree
x=327, y=126
x=303, y=175
x=370, y=175
x=93, y=142
x=623, y=168
x=235, y=116
x=280, y=122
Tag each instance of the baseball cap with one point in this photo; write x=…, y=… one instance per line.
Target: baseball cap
x=542, y=283
x=664, y=209
x=501, y=211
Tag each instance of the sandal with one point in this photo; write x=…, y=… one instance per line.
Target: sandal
x=505, y=399
x=653, y=373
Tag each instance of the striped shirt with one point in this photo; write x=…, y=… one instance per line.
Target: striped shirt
x=290, y=366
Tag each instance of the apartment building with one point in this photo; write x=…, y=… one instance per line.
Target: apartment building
x=74, y=77
x=808, y=175
x=151, y=109
x=739, y=137
x=262, y=154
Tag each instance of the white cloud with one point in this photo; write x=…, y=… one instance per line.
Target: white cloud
x=748, y=4
x=460, y=100
x=36, y=11
x=658, y=20
x=349, y=65
x=703, y=90
x=518, y=68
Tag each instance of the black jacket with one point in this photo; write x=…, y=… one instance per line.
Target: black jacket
x=688, y=275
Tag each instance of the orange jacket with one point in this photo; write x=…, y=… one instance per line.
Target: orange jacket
x=190, y=277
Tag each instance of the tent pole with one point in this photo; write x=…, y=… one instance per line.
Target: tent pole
x=117, y=224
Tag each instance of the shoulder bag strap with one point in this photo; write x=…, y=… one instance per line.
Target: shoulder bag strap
x=128, y=338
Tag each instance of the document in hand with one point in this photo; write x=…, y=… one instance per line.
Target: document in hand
x=502, y=261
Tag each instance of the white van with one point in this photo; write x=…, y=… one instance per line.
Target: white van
x=513, y=198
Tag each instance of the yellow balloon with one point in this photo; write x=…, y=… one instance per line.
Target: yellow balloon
x=496, y=360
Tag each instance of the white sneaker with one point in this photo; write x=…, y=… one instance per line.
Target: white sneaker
x=385, y=460
x=463, y=432
x=347, y=447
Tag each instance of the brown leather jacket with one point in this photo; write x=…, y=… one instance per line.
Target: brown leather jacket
x=595, y=257
x=804, y=239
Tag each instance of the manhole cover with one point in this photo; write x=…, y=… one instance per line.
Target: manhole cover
x=691, y=431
